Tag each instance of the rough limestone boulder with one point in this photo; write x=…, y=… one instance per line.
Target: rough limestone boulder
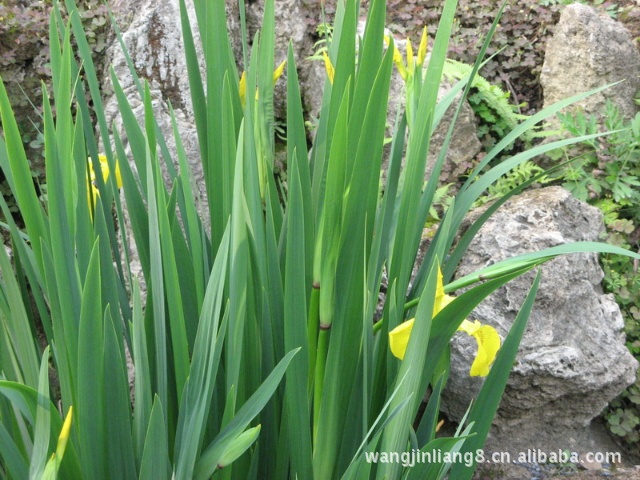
x=295, y=22
x=587, y=51
x=572, y=360
x=464, y=145
x=152, y=33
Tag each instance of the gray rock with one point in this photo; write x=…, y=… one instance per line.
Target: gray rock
x=464, y=145
x=312, y=79
x=295, y=22
x=152, y=34
x=587, y=51
x=572, y=360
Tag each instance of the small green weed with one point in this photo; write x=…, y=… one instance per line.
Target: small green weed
x=495, y=114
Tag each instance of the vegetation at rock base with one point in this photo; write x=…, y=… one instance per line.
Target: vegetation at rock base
x=606, y=173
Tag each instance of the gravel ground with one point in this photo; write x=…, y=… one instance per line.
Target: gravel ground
x=555, y=472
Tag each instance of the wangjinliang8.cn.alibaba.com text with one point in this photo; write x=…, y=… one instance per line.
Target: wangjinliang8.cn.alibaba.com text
x=413, y=457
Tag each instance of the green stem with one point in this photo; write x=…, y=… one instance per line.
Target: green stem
x=410, y=304
x=323, y=347
x=377, y=327
x=312, y=333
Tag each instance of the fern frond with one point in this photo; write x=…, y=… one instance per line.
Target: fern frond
x=493, y=97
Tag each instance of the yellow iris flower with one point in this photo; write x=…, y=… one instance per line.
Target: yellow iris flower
x=92, y=190
x=242, y=85
x=486, y=336
x=406, y=71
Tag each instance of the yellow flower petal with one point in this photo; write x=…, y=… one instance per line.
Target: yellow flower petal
x=488, y=346
x=104, y=166
x=64, y=434
x=399, y=338
x=410, y=59
x=328, y=66
x=469, y=327
x=104, y=169
x=277, y=73
x=397, y=59
x=422, y=50
x=92, y=191
x=92, y=194
x=242, y=83
x=442, y=299
x=53, y=464
x=242, y=88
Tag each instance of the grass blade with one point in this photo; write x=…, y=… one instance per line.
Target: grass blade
x=295, y=333
x=155, y=463
x=90, y=405
x=43, y=422
x=19, y=178
x=204, y=369
x=210, y=458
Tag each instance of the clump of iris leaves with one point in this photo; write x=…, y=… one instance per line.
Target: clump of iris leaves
x=253, y=348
